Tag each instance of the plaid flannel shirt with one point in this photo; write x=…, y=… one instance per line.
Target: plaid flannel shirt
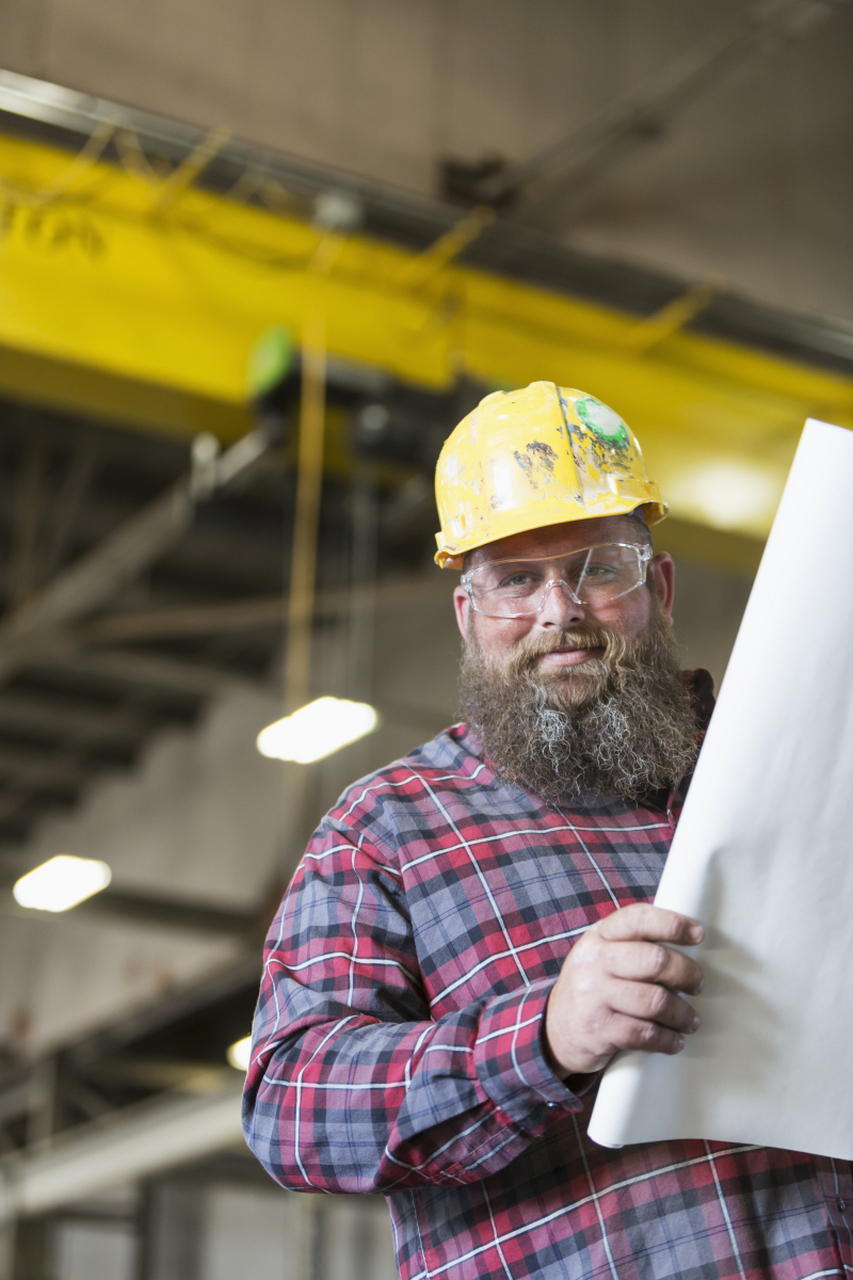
x=398, y=1048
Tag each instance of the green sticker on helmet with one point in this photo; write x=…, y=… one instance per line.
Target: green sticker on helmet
x=603, y=422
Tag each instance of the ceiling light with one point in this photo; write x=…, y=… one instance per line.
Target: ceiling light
x=239, y=1053
x=317, y=730
x=61, y=883
x=338, y=211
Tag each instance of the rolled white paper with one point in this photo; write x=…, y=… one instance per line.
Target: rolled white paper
x=763, y=856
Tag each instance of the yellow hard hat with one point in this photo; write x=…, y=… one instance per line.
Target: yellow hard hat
x=542, y=455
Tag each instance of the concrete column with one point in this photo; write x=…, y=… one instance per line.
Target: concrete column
x=171, y=1231
x=33, y=1249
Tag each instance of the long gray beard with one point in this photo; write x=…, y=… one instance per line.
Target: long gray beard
x=618, y=726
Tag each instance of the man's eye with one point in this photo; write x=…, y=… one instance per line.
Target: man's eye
x=521, y=578
x=598, y=572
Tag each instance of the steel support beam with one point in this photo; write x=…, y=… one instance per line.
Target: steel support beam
x=125, y=553
x=192, y=288
x=147, y=671
x=260, y=612
x=70, y=721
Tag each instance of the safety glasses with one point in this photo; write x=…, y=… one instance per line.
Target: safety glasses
x=518, y=588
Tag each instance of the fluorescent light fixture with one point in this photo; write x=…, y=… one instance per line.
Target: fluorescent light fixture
x=317, y=730
x=239, y=1053
x=61, y=883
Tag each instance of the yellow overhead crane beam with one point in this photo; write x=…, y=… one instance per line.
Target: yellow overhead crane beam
x=140, y=297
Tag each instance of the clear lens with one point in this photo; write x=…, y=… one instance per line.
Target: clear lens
x=592, y=575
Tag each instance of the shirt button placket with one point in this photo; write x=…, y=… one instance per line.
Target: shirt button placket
x=836, y=1180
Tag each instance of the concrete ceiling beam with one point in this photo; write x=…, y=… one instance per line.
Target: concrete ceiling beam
x=143, y=1141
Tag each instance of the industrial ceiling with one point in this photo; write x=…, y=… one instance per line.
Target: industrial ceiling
x=141, y=262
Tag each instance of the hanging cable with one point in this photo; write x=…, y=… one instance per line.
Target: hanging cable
x=85, y=159
x=309, y=482
x=184, y=174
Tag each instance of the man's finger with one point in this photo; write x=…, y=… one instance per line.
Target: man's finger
x=647, y=1002
x=643, y=921
x=653, y=962
x=634, y=1033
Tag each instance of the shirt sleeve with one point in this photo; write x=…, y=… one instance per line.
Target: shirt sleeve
x=352, y=1085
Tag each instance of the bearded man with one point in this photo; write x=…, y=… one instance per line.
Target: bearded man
x=470, y=938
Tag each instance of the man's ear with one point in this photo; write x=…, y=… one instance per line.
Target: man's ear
x=662, y=571
x=462, y=605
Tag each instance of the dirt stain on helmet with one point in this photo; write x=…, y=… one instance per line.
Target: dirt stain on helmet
x=538, y=462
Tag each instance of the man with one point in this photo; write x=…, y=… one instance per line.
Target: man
x=469, y=937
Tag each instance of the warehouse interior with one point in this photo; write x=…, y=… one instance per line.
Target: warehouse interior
x=256, y=261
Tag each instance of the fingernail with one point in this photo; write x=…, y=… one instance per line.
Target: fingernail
x=700, y=986
x=679, y=1044
x=696, y=1023
x=696, y=933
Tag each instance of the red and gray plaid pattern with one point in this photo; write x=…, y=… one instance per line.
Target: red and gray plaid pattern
x=397, y=1048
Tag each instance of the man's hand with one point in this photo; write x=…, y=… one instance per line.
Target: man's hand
x=618, y=989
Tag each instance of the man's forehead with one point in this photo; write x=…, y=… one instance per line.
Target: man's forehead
x=559, y=537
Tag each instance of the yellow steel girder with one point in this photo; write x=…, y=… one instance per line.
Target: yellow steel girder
x=118, y=276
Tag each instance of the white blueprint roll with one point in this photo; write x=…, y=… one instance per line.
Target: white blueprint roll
x=763, y=856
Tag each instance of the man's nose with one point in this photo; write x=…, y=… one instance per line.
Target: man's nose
x=559, y=607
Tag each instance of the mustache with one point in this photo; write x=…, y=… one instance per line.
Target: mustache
x=531, y=648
